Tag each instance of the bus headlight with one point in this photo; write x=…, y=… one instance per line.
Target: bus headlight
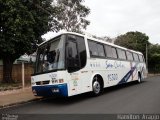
x=32, y=81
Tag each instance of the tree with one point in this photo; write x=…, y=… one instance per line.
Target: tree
x=154, y=58
x=133, y=40
x=21, y=25
x=23, y=22
x=72, y=15
x=154, y=48
x=43, y=13
x=16, y=33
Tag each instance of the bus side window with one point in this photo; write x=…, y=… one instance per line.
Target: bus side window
x=141, y=58
x=108, y=51
x=135, y=56
x=96, y=49
x=100, y=50
x=114, y=53
x=93, y=48
x=121, y=54
x=129, y=55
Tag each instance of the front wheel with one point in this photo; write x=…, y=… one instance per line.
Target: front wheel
x=97, y=87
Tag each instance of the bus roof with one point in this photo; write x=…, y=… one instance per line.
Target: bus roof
x=91, y=38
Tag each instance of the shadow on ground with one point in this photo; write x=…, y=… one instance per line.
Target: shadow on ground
x=85, y=96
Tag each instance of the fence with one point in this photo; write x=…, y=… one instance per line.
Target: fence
x=154, y=70
x=28, y=70
x=17, y=72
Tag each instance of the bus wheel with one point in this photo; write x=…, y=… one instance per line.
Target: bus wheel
x=139, y=78
x=97, y=87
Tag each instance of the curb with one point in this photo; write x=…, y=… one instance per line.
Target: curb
x=154, y=75
x=20, y=103
x=8, y=92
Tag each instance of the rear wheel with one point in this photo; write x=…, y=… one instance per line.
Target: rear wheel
x=97, y=87
x=139, y=78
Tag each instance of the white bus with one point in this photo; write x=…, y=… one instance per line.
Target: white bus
x=71, y=64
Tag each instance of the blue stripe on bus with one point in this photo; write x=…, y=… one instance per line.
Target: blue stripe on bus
x=128, y=75
x=47, y=90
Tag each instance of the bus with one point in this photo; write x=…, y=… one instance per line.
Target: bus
x=71, y=63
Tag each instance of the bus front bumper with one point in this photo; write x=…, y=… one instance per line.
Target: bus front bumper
x=50, y=90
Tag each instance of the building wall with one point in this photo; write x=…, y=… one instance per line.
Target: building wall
x=17, y=72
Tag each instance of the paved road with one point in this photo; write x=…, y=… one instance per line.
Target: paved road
x=130, y=98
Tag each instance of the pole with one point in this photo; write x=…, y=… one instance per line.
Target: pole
x=22, y=75
x=147, y=57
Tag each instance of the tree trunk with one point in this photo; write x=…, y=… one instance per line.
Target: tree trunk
x=7, y=70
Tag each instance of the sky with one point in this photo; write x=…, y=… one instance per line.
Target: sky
x=115, y=17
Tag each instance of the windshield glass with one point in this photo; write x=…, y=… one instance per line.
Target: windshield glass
x=50, y=56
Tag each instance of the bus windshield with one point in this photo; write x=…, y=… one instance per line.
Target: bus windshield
x=50, y=56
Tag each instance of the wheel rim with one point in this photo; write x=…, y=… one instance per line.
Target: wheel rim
x=139, y=78
x=96, y=87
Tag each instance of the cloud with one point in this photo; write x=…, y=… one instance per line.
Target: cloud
x=115, y=17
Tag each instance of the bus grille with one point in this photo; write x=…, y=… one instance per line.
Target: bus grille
x=42, y=82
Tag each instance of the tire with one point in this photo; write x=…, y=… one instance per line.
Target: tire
x=97, y=87
x=139, y=78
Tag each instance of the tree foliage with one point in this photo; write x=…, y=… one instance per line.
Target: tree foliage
x=16, y=33
x=137, y=41
x=154, y=49
x=72, y=14
x=133, y=40
x=154, y=57
x=23, y=22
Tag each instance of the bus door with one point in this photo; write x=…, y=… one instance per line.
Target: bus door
x=73, y=65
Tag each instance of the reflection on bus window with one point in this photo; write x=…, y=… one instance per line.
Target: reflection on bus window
x=51, y=56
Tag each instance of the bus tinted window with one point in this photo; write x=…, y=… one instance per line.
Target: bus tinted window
x=114, y=53
x=135, y=56
x=121, y=54
x=82, y=51
x=129, y=55
x=141, y=58
x=73, y=49
x=93, y=48
x=100, y=50
x=96, y=49
x=108, y=50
